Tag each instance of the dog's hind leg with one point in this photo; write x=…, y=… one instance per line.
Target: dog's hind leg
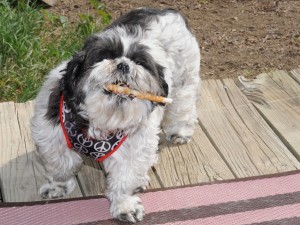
x=61, y=168
x=181, y=116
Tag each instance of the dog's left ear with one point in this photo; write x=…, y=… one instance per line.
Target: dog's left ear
x=163, y=84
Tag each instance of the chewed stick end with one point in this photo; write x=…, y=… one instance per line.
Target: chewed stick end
x=168, y=100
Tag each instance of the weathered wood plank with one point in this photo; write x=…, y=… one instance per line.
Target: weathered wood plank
x=191, y=163
x=25, y=112
x=17, y=176
x=214, y=115
x=296, y=75
x=282, y=106
x=91, y=178
x=154, y=182
x=21, y=176
x=236, y=130
x=277, y=155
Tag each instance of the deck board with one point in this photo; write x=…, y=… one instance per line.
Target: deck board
x=296, y=75
x=195, y=162
x=154, y=180
x=281, y=109
x=20, y=174
x=240, y=134
x=25, y=112
x=17, y=175
x=237, y=131
x=91, y=178
x=274, y=149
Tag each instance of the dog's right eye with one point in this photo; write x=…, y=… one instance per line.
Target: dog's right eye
x=140, y=62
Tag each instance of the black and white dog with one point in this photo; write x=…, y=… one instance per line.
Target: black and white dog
x=148, y=50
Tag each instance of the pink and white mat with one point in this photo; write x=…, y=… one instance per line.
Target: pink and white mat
x=267, y=200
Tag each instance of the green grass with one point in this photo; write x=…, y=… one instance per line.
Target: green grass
x=33, y=41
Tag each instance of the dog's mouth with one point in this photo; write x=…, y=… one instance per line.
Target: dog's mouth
x=121, y=83
x=120, y=97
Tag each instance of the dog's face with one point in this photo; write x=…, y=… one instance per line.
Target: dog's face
x=111, y=59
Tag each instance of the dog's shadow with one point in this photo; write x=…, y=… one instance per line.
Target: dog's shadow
x=22, y=176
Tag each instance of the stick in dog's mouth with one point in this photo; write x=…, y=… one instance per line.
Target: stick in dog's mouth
x=127, y=91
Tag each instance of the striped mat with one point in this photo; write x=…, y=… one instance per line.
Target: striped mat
x=267, y=200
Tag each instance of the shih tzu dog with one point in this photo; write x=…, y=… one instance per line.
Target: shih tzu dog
x=148, y=50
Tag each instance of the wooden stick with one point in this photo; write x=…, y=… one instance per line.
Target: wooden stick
x=127, y=91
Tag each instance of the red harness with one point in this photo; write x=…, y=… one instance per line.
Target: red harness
x=76, y=139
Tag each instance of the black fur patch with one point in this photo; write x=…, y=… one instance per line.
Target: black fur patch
x=53, y=105
x=70, y=80
x=141, y=17
x=163, y=83
x=98, y=49
x=140, y=55
x=70, y=83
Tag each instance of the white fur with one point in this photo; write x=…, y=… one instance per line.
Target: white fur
x=173, y=46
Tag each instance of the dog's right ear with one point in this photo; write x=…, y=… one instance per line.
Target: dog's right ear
x=70, y=81
x=75, y=67
x=65, y=86
x=73, y=74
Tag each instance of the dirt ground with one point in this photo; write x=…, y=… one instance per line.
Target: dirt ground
x=240, y=37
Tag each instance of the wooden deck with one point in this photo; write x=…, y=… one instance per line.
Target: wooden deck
x=246, y=128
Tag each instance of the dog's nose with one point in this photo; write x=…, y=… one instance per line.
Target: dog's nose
x=124, y=67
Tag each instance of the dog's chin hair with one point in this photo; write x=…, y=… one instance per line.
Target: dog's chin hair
x=105, y=113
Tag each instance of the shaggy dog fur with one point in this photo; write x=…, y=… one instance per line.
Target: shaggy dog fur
x=149, y=50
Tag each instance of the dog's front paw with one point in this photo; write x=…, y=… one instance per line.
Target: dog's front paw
x=52, y=191
x=57, y=189
x=178, y=139
x=128, y=210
